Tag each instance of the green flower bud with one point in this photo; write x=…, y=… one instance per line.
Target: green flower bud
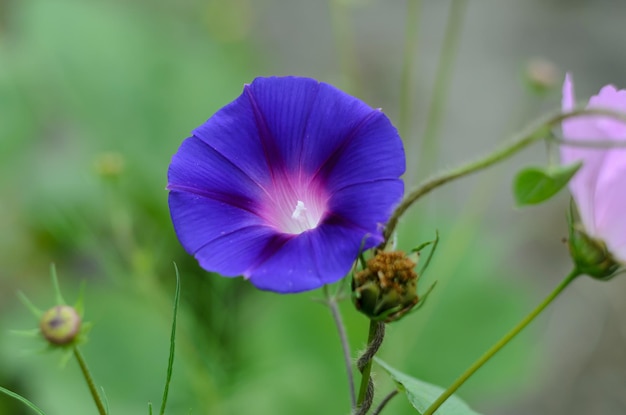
x=60, y=325
x=387, y=288
x=591, y=256
x=109, y=165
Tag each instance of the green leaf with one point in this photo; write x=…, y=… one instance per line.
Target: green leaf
x=534, y=185
x=422, y=394
x=22, y=399
x=170, y=362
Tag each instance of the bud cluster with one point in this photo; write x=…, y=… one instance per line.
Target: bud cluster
x=387, y=288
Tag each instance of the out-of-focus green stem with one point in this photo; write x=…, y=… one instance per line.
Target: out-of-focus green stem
x=344, y=41
x=408, y=67
x=501, y=343
x=331, y=302
x=429, y=153
x=90, y=383
x=385, y=401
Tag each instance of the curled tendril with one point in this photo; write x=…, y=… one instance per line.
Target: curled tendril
x=363, y=361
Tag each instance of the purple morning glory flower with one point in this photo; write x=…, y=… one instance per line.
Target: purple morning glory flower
x=599, y=187
x=285, y=183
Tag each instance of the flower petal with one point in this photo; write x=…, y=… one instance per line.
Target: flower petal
x=610, y=203
x=611, y=213
x=239, y=252
x=233, y=133
x=375, y=143
x=334, y=122
x=282, y=107
x=199, y=220
x=370, y=217
x=197, y=168
x=583, y=183
x=314, y=258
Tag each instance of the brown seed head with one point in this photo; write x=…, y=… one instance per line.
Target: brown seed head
x=387, y=288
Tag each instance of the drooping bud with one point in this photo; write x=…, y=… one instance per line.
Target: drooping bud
x=387, y=288
x=591, y=256
x=60, y=325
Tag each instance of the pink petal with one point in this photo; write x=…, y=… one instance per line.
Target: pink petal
x=599, y=187
x=583, y=184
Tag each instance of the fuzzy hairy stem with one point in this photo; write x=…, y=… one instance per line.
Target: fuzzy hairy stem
x=364, y=364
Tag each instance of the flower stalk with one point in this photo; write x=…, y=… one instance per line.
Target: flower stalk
x=331, y=302
x=364, y=364
x=90, y=383
x=501, y=343
x=385, y=401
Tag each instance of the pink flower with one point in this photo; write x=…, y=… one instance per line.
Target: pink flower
x=599, y=187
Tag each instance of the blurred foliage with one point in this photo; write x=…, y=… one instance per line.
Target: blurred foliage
x=95, y=97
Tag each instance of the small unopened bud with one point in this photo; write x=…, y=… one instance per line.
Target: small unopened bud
x=591, y=256
x=541, y=75
x=387, y=288
x=109, y=165
x=60, y=325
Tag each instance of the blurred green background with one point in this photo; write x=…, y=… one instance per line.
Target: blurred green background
x=95, y=97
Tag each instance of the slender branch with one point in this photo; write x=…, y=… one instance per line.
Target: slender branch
x=90, y=383
x=408, y=73
x=597, y=144
x=443, y=79
x=534, y=132
x=364, y=364
x=501, y=343
x=331, y=302
x=385, y=401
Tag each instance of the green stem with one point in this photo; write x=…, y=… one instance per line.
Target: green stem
x=331, y=302
x=90, y=383
x=408, y=72
x=385, y=401
x=536, y=131
x=442, y=84
x=501, y=343
x=367, y=369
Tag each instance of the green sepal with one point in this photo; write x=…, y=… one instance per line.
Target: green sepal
x=435, y=244
x=422, y=394
x=424, y=297
x=422, y=246
x=534, y=185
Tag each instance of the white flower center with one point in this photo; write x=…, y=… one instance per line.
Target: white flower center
x=303, y=220
x=298, y=210
x=295, y=208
